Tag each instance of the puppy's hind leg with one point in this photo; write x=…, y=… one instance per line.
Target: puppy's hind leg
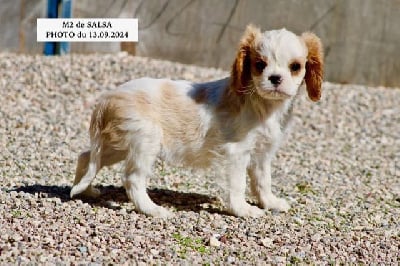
x=138, y=166
x=86, y=170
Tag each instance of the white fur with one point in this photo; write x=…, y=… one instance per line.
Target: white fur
x=199, y=125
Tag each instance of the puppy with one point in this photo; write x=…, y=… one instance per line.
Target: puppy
x=237, y=122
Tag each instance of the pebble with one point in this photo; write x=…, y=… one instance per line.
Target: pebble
x=214, y=242
x=154, y=251
x=230, y=259
x=83, y=249
x=267, y=242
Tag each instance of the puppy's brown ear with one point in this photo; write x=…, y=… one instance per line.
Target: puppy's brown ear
x=314, y=65
x=241, y=68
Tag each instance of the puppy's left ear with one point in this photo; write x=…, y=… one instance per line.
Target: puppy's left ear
x=314, y=65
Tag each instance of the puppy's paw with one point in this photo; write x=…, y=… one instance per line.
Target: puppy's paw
x=276, y=203
x=247, y=210
x=74, y=191
x=159, y=212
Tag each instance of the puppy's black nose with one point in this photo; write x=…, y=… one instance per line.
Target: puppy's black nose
x=275, y=79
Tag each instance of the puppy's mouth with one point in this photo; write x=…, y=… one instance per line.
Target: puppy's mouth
x=273, y=94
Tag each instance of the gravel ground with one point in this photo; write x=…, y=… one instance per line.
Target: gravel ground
x=340, y=171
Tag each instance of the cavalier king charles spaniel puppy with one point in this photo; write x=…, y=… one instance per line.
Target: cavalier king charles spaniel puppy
x=236, y=123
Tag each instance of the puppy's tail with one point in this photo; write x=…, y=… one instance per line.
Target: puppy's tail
x=94, y=166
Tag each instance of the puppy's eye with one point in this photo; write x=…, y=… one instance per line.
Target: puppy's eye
x=260, y=65
x=294, y=67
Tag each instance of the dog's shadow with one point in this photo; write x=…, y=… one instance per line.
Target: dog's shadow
x=181, y=201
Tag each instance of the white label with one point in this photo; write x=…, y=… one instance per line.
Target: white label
x=87, y=30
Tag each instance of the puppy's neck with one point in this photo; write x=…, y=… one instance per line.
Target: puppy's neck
x=250, y=106
x=241, y=113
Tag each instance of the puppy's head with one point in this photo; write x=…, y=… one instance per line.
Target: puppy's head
x=274, y=64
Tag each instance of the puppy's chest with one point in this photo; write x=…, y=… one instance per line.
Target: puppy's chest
x=268, y=134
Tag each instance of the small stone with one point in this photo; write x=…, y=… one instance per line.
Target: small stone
x=223, y=239
x=280, y=259
x=298, y=220
x=214, y=242
x=113, y=205
x=154, y=252
x=267, y=242
x=316, y=237
x=83, y=249
x=57, y=201
x=230, y=259
x=17, y=237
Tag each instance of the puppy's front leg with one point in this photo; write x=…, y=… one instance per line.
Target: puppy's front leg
x=260, y=177
x=237, y=205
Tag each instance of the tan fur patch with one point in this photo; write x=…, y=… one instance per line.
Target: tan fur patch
x=241, y=68
x=314, y=65
x=179, y=117
x=233, y=99
x=111, y=111
x=231, y=103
